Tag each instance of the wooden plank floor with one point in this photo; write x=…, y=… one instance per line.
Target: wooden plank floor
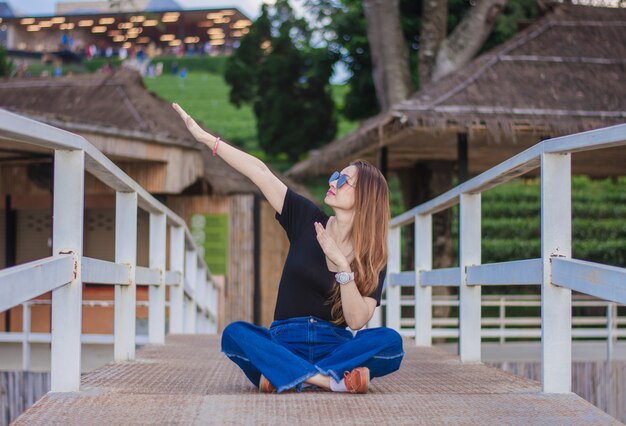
x=189, y=381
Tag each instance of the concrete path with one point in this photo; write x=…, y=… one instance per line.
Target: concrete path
x=188, y=381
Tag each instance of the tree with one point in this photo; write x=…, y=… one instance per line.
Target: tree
x=390, y=57
x=278, y=71
x=343, y=25
x=442, y=55
x=5, y=65
x=438, y=38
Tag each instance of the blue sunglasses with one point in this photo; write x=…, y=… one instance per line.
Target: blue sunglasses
x=341, y=179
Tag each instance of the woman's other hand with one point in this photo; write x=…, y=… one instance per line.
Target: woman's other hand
x=194, y=128
x=330, y=248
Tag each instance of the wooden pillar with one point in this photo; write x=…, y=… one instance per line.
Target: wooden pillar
x=462, y=157
x=383, y=162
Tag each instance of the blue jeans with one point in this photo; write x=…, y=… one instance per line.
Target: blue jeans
x=295, y=349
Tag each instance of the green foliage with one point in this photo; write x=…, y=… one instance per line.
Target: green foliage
x=511, y=221
x=286, y=79
x=515, y=12
x=345, y=125
x=345, y=30
x=6, y=66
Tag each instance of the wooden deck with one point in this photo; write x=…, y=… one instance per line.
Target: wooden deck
x=188, y=381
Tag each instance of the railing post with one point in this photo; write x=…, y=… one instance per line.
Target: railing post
x=469, y=296
x=26, y=316
x=191, y=262
x=125, y=295
x=214, y=295
x=201, y=298
x=423, y=294
x=177, y=293
x=156, y=308
x=502, y=315
x=393, y=291
x=556, y=302
x=67, y=236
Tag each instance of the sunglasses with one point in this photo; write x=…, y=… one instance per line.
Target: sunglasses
x=341, y=179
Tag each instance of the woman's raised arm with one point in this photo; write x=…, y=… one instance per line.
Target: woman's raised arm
x=253, y=168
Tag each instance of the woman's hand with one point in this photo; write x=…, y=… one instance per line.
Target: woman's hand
x=196, y=131
x=330, y=248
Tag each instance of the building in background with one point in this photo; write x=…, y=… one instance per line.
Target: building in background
x=97, y=29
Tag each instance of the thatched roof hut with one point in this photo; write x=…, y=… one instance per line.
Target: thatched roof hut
x=129, y=124
x=565, y=73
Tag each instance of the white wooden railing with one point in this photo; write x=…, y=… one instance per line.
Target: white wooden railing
x=193, y=293
x=556, y=272
x=505, y=324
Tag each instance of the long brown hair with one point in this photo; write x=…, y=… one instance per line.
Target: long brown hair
x=368, y=234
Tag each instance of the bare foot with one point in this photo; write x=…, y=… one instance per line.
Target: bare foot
x=320, y=381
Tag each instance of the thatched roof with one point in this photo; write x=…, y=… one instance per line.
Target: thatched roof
x=563, y=74
x=118, y=104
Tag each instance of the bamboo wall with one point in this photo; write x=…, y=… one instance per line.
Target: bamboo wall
x=274, y=248
x=18, y=391
x=238, y=293
x=240, y=280
x=602, y=383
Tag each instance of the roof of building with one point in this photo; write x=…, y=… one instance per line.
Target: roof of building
x=562, y=74
x=117, y=101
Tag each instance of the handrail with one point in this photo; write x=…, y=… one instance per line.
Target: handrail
x=26, y=130
x=193, y=292
x=555, y=271
x=32, y=279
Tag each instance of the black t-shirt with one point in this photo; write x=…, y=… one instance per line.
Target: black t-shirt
x=306, y=282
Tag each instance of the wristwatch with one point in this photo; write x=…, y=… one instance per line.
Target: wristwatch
x=344, y=277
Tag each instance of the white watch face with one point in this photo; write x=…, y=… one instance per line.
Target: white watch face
x=343, y=277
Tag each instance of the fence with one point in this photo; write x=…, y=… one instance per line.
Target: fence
x=193, y=294
x=515, y=327
x=556, y=272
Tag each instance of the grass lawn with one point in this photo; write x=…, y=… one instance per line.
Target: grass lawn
x=205, y=97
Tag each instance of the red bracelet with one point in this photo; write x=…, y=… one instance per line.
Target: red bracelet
x=217, y=142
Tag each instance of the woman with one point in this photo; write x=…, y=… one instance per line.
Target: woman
x=332, y=279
